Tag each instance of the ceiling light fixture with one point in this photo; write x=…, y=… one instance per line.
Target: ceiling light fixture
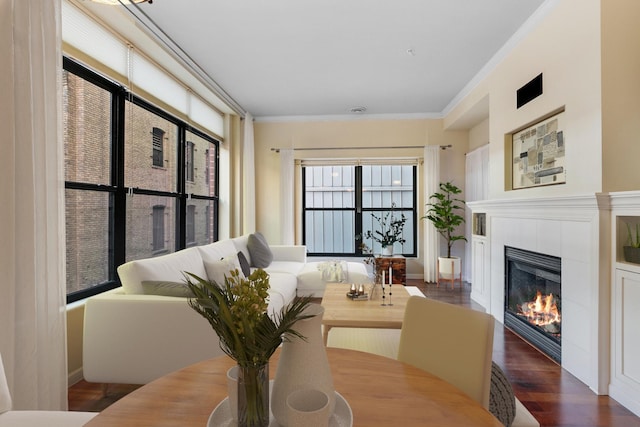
x=357, y=110
x=117, y=2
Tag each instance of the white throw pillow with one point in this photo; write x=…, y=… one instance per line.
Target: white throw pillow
x=217, y=270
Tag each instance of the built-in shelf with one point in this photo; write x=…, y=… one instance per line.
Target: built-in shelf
x=622, y=226
x=625, y=299
x=479, y=226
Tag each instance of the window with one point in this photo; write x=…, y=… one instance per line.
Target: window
x=339, y=203
x=188, y=155
x=158, y=228
x=191, y=225
x=119, y=206
x=207, y=222
x=158, y=148
x=206, y=165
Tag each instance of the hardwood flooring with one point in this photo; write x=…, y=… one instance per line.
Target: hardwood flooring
x=552, y=395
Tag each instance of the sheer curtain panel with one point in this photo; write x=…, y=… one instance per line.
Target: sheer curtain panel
x=431, y=185
x=32, y=254
x=287, y=189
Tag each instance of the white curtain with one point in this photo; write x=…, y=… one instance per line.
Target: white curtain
x=32, y=253
x=248, y=177
x=287, y=189
x=431, y=237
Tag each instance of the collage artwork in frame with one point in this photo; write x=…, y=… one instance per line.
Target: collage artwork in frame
x=538, y=154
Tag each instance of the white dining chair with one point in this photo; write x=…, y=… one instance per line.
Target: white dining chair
x=453, y=342
x=35, y=418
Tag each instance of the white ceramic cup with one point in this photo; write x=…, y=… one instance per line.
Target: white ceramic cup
x=232, y=391
x=308, y=408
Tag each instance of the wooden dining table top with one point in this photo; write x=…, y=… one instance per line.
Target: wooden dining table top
x=379, y=390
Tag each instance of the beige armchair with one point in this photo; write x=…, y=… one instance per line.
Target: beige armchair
x=11, y=418
x=452, y=342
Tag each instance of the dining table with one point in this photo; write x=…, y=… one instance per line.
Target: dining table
x=380, y=392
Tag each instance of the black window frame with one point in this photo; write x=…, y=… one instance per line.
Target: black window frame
x=118, y=191
x=359, y=212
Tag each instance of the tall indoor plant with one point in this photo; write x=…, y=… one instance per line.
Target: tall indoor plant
x=237, y=311
x=446, y=213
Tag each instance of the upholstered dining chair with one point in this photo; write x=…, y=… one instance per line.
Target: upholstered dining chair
x=10, y=418
x=452, y=342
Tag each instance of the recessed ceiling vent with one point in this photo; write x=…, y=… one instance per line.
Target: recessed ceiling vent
x=357, y=110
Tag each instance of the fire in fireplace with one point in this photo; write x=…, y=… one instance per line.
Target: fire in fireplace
x=532, y=299
x=543, y=312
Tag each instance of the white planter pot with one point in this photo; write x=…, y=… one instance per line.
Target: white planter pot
x=387, y=250
x=303, y=364
x=449, y=268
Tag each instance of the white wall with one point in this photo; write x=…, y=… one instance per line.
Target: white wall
x=565, y=47
x=368, y=134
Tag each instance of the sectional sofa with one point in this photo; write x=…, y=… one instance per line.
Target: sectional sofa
x=146, y=329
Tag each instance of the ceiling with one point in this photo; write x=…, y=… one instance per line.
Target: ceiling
x=285, y=58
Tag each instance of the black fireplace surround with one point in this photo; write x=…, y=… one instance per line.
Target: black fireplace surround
x=531, y=276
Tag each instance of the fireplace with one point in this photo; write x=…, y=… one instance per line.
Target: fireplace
x=533, y=299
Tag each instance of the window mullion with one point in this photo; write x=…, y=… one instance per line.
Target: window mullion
x=358, y=212
x=117, y=220
x=181, y=205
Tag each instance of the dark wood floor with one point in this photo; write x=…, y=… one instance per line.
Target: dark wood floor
x=555, y=397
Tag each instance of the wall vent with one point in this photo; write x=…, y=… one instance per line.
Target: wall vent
x=530, y=91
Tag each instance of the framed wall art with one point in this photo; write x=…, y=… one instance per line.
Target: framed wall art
x=539, y=154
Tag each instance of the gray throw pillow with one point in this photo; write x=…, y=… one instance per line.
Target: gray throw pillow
x=244, y=264
x=167, y=289
x=259, y=251
x=502, y=402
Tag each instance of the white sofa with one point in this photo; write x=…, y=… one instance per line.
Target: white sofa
x=133, y=338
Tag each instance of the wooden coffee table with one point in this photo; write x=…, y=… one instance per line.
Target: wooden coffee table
x=340, y=311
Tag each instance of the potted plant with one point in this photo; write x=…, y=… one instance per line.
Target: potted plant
x=632, y=250
x=389, y=230
x=237, y=312
x=445, y=214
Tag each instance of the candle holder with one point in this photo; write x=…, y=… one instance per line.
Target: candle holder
x=390, y=285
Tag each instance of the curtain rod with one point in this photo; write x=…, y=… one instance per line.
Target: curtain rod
x=277, y=150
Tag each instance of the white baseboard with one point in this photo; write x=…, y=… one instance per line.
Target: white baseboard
x=75, y=377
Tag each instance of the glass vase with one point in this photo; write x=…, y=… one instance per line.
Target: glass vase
x=253, y=395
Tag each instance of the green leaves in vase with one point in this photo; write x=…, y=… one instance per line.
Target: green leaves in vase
x=237, y=312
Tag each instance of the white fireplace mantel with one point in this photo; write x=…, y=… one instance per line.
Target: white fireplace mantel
x=576, y=229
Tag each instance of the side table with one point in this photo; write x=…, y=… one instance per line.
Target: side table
x=398, y=264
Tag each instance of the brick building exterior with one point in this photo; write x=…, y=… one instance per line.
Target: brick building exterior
x=151, y=163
